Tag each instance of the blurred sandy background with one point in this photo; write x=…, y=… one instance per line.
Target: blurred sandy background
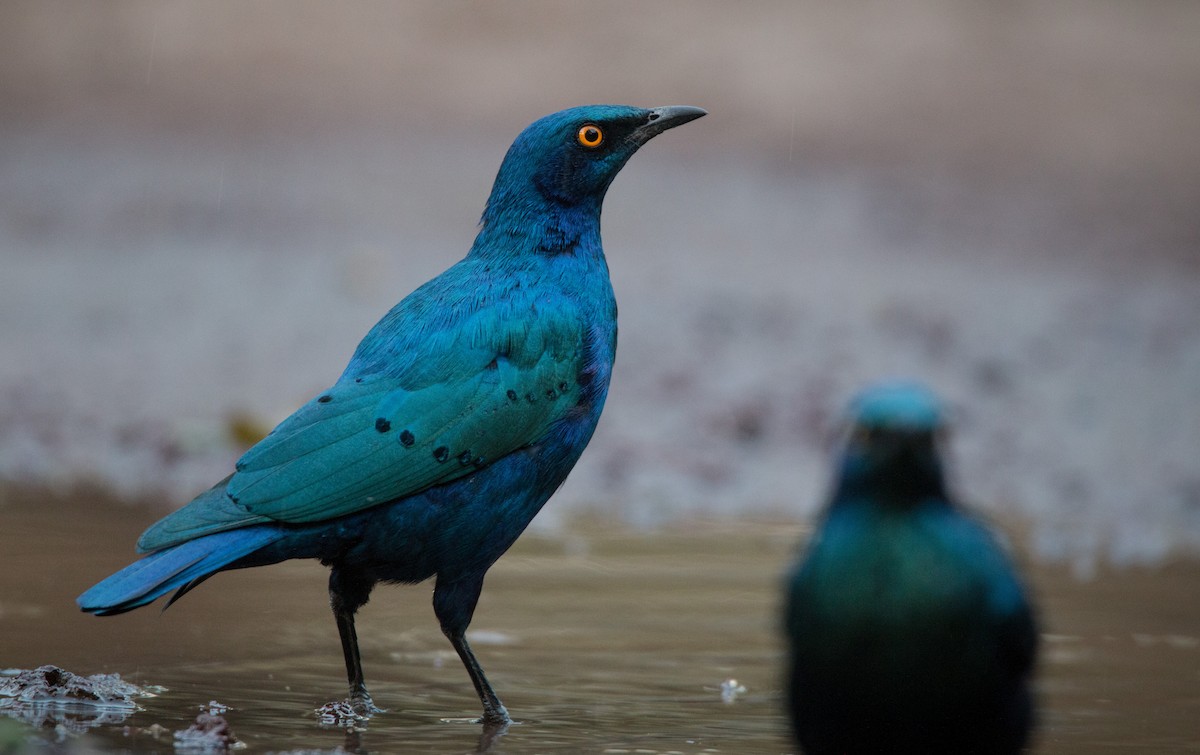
x=203, y=206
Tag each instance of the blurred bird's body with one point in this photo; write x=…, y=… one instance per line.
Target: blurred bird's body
x=909, y=631
x=459, y=415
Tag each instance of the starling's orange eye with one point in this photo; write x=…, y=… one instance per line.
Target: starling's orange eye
x=590, y=136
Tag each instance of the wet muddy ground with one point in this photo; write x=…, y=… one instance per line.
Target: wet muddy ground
x=599, y=640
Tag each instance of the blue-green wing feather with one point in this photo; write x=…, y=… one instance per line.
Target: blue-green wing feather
x=318, y=470
x=209, y=512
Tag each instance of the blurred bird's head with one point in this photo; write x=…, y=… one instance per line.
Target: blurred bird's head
x=569, y=158
x=892, y=450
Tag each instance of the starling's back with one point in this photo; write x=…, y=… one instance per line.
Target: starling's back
x=908, y=629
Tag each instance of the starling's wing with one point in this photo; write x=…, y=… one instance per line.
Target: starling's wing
x=367, y=443
x=1017, y=625
x=1010, y=613
x=374, y=438
x=209, y=512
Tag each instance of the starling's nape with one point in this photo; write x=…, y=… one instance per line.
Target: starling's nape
x=908, y=629
x=459, y=415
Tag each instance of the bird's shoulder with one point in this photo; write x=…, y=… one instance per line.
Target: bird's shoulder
x=474, y=310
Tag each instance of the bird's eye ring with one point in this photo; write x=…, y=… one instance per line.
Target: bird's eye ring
x=590, y=136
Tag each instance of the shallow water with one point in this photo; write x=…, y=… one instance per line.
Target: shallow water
x=601, y=640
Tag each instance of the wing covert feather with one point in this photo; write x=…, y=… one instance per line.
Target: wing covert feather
x=368, y=440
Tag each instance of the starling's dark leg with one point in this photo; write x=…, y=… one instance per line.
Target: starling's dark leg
x=346, y=595
x=454, y=603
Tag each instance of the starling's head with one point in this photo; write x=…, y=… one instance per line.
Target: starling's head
x=899, y=406
x=892, y=449
x=570, y=157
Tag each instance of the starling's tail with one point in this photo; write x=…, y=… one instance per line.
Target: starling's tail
x=180, y=567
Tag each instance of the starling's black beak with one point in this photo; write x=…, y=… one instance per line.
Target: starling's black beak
x=662, y=118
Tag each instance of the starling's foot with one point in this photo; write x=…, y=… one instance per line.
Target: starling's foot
x=495, y=717
x=344, y=714
x=362, y=703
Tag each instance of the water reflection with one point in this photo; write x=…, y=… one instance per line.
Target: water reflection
x=621, y=642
